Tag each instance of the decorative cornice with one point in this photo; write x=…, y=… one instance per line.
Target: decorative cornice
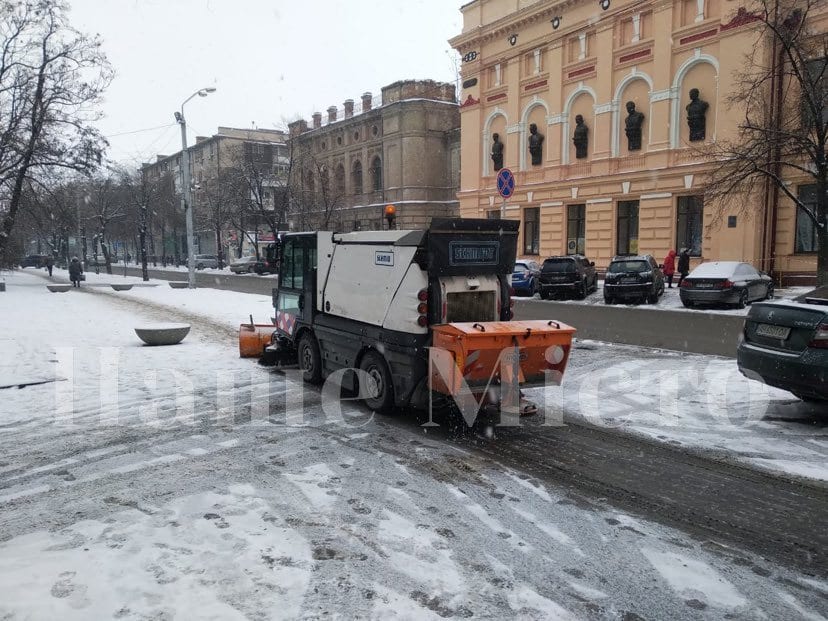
x=555, y=119
x=514, y=129
x=661, y=95
x=470, y=101
x=604, y=108
x=742, y=18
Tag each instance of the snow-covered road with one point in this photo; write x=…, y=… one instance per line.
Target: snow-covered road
x=158, y=483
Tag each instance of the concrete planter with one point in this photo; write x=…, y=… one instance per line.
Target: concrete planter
x=122, y=287
x=58, y=288
x=178, y=284
x=163, y=334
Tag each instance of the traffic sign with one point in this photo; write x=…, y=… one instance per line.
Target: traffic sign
x=505, y=182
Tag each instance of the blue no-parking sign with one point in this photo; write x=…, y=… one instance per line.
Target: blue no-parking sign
x=505, y=182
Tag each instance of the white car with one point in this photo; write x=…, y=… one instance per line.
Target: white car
x=245, y=265
x=206, y=260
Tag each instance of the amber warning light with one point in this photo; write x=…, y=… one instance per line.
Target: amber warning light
x=390, y=215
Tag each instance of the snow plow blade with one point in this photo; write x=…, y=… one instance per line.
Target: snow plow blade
x=253, y=338
x=475, y=355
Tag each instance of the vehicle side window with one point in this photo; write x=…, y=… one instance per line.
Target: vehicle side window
x=288, y=302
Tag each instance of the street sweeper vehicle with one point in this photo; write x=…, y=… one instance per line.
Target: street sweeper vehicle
x=410, y=318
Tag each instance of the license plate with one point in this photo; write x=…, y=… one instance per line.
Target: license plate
x=629, y=281
x=774, y=332
x=703, y=285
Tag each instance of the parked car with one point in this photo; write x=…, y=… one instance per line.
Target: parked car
x=34, y=260
x=636, y=277
x=525, y=277
x=203, y=261
x=725, y=282
x=785, y=344
x=245, y=265
x=572, y=274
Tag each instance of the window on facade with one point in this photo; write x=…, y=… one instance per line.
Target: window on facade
x=690, y=220
x=814, y=105
x=309, y=183
x=357, y=177
x=340, y=179
x=531, y=231
x=493, y=214
x=806, y=231
x=576, y=229
x=376, y=173
x=533, y=63
x=627, y=227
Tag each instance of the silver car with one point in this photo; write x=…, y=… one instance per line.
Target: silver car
x=203, y=261
x=245, y=265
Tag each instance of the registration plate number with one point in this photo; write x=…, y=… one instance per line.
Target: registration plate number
x=629, y=281
x=703, y=285
x=774, y=332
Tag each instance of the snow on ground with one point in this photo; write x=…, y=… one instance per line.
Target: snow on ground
x=149, y=483
x=671, y=300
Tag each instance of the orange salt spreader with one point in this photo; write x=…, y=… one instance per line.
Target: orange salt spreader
x=254, y=337
x=512, y=354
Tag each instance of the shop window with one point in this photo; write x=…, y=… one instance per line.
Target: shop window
x=690, y=220
x=806, y=231
x=576, y=229
x=531, y=231
x=627, y=227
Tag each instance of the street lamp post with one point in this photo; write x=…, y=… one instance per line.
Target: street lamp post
x=186, y=181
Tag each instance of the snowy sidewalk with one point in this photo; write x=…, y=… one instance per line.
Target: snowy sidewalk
x=163, y=491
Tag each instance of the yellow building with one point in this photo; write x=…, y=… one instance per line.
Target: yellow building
x=542, y=63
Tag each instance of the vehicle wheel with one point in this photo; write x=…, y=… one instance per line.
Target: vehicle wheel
x=771, y=292
x=544, y=295
x=249, y=270
x=582, y=291
x=380, y=385
x=687, y=304
x=743, y=299
x=310, y=360
x=609, y=300
x=199, y=266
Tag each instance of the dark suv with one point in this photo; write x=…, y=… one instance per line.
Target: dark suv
x=633, y=277
x=571, y=274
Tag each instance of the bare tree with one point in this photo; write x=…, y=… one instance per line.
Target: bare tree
x=51, y=77
x=107, y=204
x=255, y=186
x=783, y=91
x=140, y=193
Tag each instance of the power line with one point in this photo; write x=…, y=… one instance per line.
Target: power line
x=138, y=131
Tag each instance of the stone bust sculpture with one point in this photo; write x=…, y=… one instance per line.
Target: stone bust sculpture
x=535, y=145
x=696, y=112
x=497, y=152
x=632, y=127
x=581, y=137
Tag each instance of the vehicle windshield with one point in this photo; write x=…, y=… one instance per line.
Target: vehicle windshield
x=566, y=266
x=623, y=267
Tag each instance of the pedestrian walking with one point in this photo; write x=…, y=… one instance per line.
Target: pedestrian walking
x=50, y=263
x=683, y=265
x=669, y=267
x=75, y=272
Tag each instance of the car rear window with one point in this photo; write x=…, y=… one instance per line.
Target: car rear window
x=559, y=265
x=521, y=267
x=617, y=267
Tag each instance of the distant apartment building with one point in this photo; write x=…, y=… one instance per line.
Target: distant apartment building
x=603, y=111
x=401, y=149
x=216, y=191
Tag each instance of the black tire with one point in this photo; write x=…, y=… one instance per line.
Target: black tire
x=310, y=360
x=609, y=300
x=544, y=295
x=770, y=293
x=200, y=266
x=743, y=299
x=652, y=298
x=382, y=386
x=687, y=303
x=581, y=293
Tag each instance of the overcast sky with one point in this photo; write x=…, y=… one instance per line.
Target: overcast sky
x=270, y=61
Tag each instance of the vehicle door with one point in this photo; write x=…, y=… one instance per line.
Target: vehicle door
x=589, y=270
x=296, y=295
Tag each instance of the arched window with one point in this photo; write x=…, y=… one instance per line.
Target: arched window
x=356, y=175
x=376, y=173
x=340, y=179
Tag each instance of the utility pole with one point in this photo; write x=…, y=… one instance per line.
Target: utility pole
x=186, y=182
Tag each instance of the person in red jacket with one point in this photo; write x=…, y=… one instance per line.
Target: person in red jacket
x=670, y=267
